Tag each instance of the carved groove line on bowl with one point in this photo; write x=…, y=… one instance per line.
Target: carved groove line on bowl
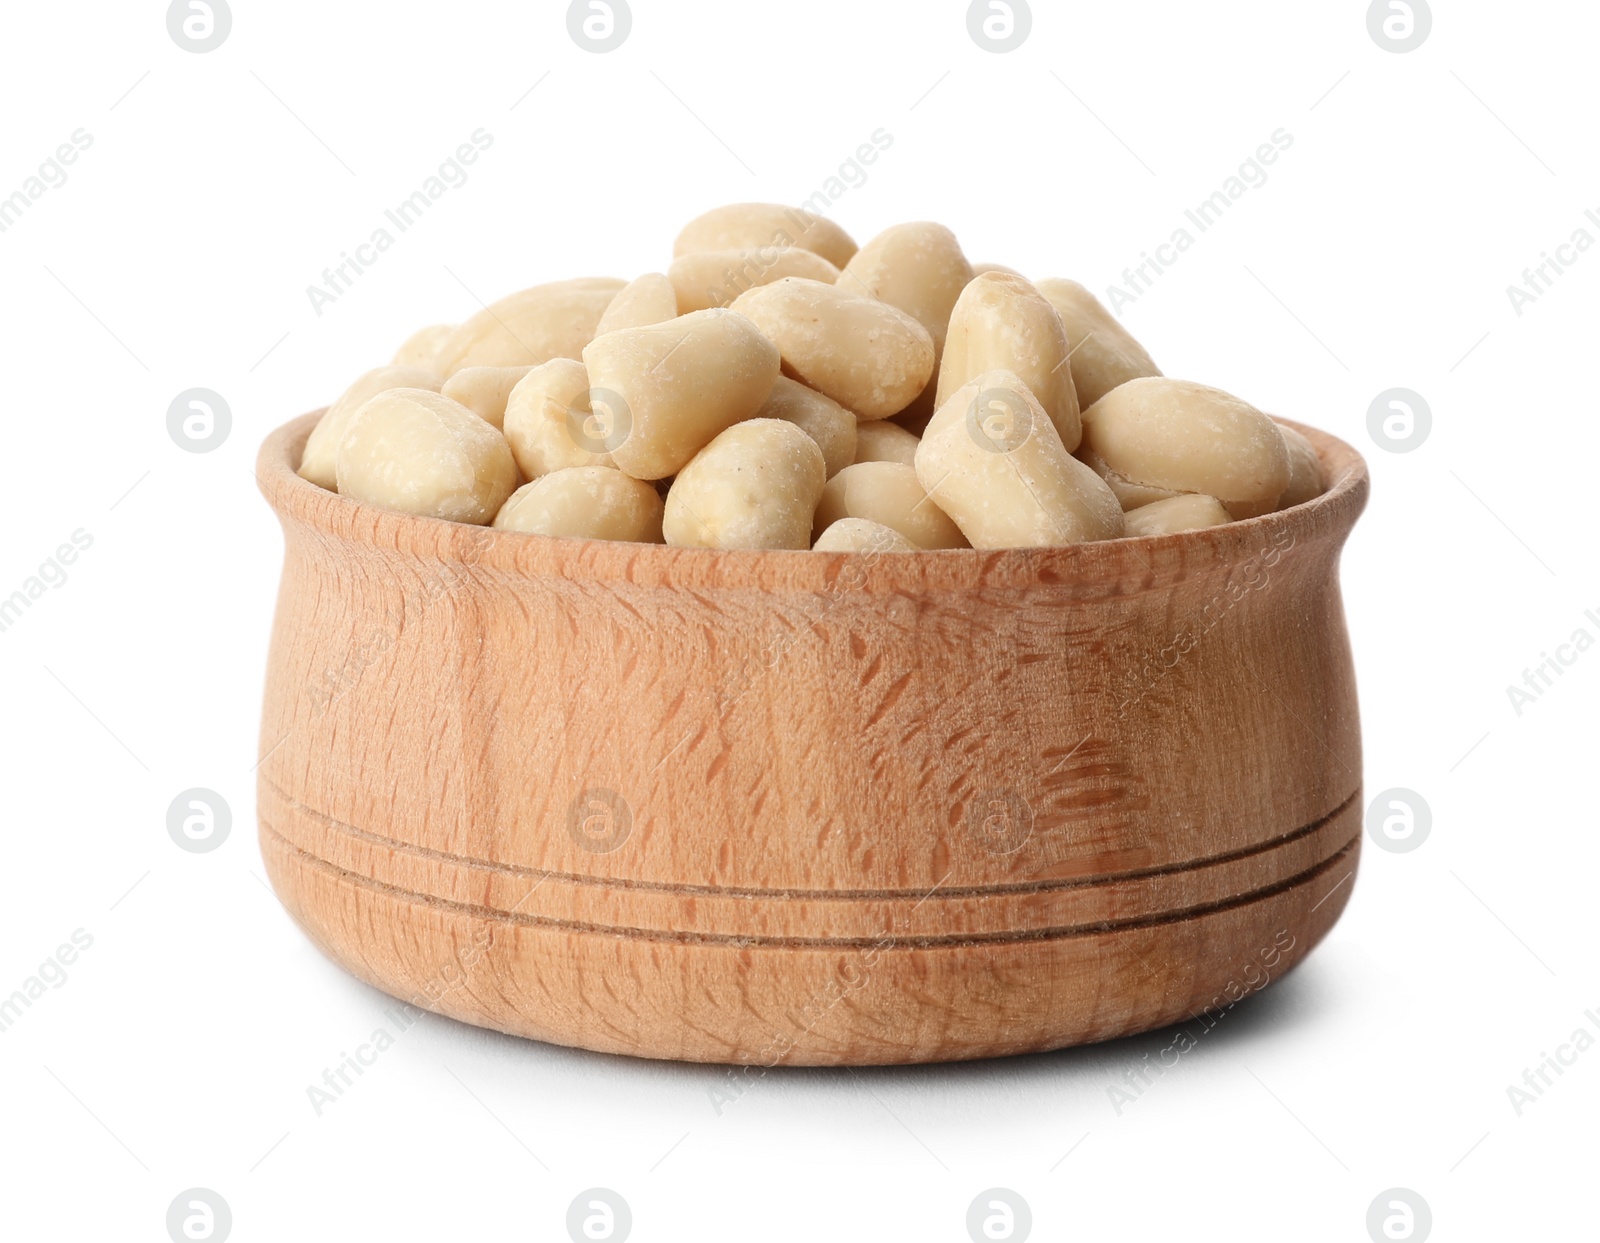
x=731, y=891
x=753, y=942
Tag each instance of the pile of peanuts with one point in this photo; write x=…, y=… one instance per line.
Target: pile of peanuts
x=780, y=388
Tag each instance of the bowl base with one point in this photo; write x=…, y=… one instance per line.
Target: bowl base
x=894, y=997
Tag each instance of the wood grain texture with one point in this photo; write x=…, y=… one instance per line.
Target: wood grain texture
x=806, y=807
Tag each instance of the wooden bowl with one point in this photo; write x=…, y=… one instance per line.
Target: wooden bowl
x=810, y=808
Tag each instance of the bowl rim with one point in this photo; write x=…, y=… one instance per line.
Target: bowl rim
x=1123, y=566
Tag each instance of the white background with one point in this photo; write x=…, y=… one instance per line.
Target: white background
x=178, y=1052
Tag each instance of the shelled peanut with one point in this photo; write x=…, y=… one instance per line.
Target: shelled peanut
x=779, y=388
